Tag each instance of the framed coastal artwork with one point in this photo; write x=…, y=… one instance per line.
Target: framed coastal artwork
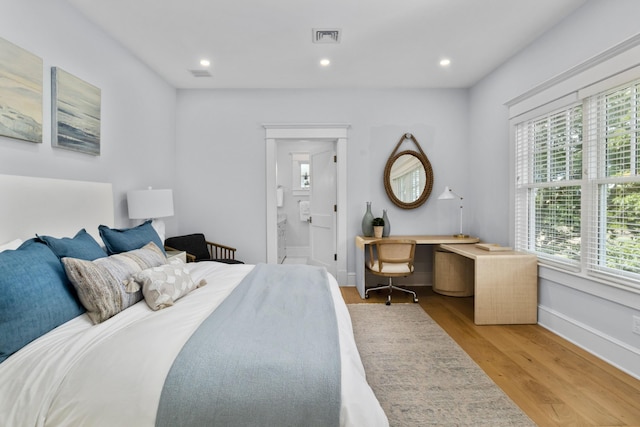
x=75, y=108
x=20, y=93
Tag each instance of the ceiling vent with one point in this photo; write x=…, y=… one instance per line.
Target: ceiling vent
x=200, y=73
x=326, y=35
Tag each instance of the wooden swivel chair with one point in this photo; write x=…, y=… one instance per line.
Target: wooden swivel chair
x=394, y=259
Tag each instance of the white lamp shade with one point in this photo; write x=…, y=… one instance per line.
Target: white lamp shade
x=147, y=204
x=447, y=194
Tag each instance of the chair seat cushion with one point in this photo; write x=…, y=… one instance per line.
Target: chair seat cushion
x=194, y=244
x=391, y=268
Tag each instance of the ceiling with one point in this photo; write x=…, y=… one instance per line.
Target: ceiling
x=268, y=43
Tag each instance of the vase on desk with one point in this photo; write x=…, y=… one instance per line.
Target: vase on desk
x=387, y=227
x=367, y=220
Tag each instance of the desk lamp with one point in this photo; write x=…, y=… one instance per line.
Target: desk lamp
x=151, y=204
x=449, y=194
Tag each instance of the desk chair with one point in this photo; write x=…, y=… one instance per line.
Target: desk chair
x=394, y=259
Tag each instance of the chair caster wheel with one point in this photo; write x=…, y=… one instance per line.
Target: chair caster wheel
x=415, y=300
x=366, y=296
x=388, y=303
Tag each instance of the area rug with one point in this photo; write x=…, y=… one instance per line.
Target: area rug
x=421, y=376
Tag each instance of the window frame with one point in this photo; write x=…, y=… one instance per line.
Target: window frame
x=592, y=185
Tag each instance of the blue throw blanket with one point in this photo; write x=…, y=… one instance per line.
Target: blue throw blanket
x=269, y=355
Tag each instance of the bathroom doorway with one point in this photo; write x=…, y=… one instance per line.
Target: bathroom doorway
x=329, y=137
x=307, y=199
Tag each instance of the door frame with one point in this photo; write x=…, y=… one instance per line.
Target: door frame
x=328, y=132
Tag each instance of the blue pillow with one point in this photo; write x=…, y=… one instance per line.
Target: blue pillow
x=129, y=239
x=81, y=246
x=35, y=296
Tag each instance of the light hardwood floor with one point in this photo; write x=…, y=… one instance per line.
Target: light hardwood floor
x=553, y=381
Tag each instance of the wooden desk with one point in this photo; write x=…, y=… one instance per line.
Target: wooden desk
x=505, y=285
x=362, y=242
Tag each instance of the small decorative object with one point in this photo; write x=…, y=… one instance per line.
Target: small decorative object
x=387, y=225
x=378, y=227
x=493, y=247
x=367, y=227
x=76, y=113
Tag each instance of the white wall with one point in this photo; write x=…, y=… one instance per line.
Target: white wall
x=598, y=317
x=138, y=107
x=221, y=170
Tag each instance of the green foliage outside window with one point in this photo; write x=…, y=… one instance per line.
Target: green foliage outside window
x=622, y=247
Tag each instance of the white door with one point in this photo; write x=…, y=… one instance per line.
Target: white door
x=323, y=211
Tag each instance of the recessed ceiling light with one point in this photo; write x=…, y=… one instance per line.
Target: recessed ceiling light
x=325, y=62
x=205, y=62
x=445, y=62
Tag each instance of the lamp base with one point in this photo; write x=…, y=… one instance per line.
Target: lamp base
x=461, y=236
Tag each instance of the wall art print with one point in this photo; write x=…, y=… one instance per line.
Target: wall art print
x=20, y=93
x=75, y=107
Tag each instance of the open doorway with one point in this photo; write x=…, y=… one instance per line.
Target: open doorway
x=333, y=137
x=306, y=202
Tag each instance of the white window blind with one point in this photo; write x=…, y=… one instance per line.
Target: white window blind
x=577, y=190
x=613, y=135
x=548, y=185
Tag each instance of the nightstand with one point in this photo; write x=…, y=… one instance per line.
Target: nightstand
x=177, y=254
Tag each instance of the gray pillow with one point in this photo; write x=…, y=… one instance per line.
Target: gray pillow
x=101, y=284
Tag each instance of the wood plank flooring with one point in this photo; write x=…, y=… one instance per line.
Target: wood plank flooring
x=553, y=381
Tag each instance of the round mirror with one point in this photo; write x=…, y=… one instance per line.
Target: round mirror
x=408, y=179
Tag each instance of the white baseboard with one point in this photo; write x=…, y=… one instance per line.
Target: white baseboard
x=611, y=350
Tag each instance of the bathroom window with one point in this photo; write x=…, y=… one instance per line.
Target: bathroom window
x=305, y=182
x=301, y=173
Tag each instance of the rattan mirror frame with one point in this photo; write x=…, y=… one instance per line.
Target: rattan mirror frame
x=420, y=155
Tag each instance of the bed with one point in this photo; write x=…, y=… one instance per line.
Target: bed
x=203, y=354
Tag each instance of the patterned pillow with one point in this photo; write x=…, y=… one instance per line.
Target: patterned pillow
x=101, y=284
x=165, y=284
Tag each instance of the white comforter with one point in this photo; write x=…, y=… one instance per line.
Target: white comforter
x=112, y=374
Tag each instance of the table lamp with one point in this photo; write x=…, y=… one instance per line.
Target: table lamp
x=151, y=204
x=449, y=194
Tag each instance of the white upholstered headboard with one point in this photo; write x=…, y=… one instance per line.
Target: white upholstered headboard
x=54, y=207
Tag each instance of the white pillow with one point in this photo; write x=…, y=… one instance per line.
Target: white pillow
x=10, y=246
x=162, y=286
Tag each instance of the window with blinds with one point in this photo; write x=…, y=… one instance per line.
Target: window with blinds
x=577, y=187
x=613, y=132
x=548, y=185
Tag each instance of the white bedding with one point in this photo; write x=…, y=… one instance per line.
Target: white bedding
x=111, y=374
